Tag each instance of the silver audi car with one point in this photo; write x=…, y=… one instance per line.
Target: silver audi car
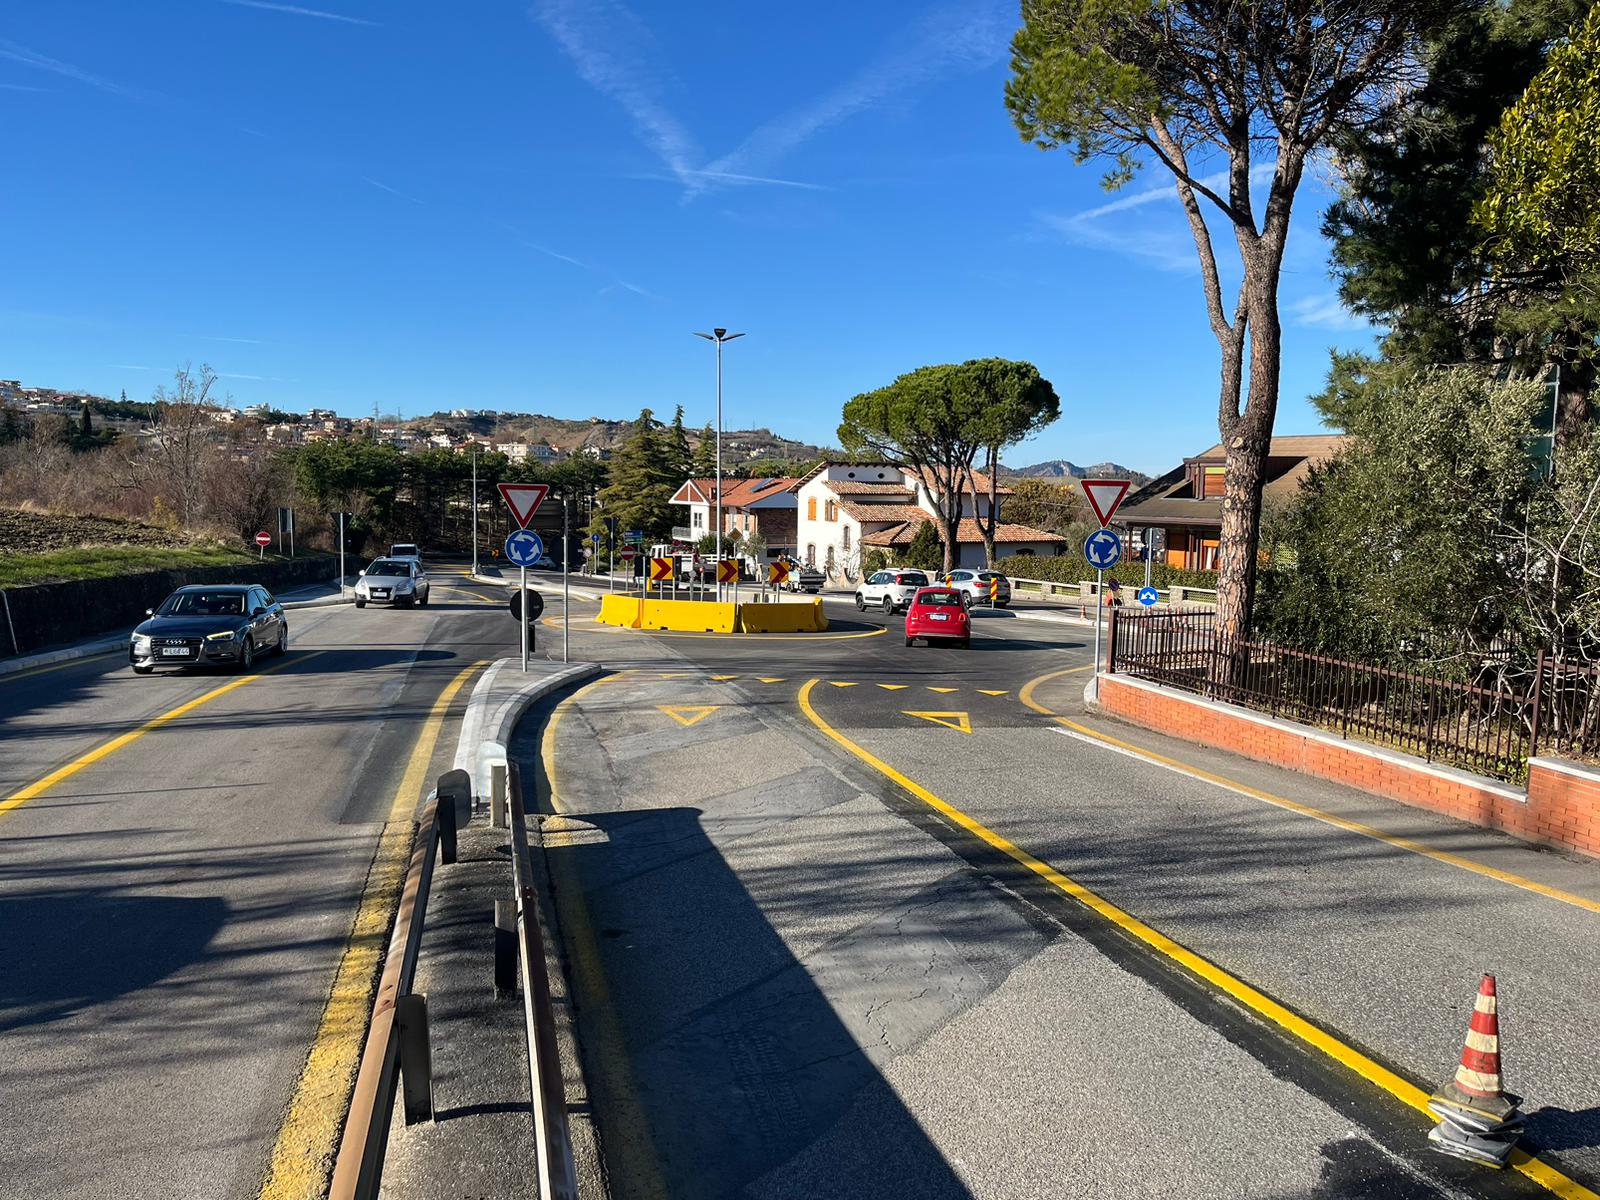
x=398, y=581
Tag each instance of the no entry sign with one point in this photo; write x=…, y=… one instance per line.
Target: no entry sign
x=263, y=538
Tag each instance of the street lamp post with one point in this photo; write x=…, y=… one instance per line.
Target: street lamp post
x=474, y=508
x=719, y=336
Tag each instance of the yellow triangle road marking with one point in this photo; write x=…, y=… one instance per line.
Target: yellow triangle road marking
x=894, y=687
x=934, y=689
x=688, y=714
x=987, y=692
x=836, y=683
x=950, y=720
x=771, y=679
x=723, y=678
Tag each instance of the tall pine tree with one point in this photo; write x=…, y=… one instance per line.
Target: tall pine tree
x=643, y=478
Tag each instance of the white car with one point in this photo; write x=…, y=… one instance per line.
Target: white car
x=398, y=581
x=976, y=586
x=890, y=590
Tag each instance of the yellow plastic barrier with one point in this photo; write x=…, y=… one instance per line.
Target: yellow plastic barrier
x=620, y=610
x=783, y=618
x=688, y=616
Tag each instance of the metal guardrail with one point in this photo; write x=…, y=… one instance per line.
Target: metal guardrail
x=557, y=1176
x=1086, y=589
x=397, y=1039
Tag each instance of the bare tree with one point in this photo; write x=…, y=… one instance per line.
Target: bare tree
x=177, y=457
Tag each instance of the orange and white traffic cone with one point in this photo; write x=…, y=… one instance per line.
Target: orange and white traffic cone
x=1479, y=1120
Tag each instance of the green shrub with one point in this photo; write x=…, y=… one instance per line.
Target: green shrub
x=1070, y=568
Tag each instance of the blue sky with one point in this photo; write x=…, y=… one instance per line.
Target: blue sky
x=345, y=203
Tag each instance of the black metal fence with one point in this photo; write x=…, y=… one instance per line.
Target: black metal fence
x=1491, y=724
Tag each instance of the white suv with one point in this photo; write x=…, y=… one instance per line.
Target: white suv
x=976, y=585
x=890, y=590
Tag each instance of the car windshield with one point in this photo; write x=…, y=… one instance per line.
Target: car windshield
x=403, y=548
x=203, y=604
x=389, y=566
x=911, y=579
x=940, y=599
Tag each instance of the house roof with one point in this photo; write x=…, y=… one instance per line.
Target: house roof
x=967, y=533
x=1170, y=500
x=880, y=513
x=980, y=483
x=852, y=487
x=736, y=493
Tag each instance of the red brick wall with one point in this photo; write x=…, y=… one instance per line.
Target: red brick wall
x=1560, y=808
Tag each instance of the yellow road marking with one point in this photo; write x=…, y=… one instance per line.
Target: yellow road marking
x=723, y=678
x=688, y=714
x=894, y=687
x=1348, y=1056
x=940, y=689
x=39, y=787
x=1304, y=810
x=839, y=684
x=302, y=1155
x=635, y=1152
x=988, y=692
x=958, y=721
x=768, y=679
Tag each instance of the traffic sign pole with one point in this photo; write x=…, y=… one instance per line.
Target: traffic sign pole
x=566, y=595
x=1099, y=615
x=524, y=621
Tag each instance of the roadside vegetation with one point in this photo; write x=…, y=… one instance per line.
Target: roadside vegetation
x=37, y=547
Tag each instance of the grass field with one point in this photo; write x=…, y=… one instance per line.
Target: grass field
x=104, y=562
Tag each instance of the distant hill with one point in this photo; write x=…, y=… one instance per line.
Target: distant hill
x=1060, y=468
x=738, y=445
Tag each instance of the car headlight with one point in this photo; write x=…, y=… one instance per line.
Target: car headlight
x=227, y=635
x=141, y=641
x=405, y=585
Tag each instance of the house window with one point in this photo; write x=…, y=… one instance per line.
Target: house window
x=811, y=508
x=811, y=554
x=847, y=539
x=1215, y=482
x=832, y=510
x=699, y=518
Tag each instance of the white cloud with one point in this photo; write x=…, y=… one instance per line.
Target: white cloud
x=31, y=58
x=615, y=53
x=296, y=10
x=384, y=187
x=1326, y=312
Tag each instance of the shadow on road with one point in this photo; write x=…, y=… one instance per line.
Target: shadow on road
x=717, y=1065
x=62, y=952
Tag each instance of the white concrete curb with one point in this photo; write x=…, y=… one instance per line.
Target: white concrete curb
x=542, y=584
x=27, y=662
x=489, y=721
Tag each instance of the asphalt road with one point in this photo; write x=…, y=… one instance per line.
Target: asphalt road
x=805, y=969
x=172, y=911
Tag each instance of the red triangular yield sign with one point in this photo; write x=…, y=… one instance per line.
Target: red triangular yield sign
x=1103, y=494
x=523, y=499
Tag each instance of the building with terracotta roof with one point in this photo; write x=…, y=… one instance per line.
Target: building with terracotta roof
x=1184, y=506
x=846, y=508
x=765, y=507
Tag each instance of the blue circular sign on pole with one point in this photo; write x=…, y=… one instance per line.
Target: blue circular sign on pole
x=1147, y=596
x=1102, y=549
x=524, y=549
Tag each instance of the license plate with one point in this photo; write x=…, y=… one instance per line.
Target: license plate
x=380, y=593
x=175, y=651
x=938, y=616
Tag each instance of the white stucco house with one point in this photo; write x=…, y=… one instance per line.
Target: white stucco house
x=844, y=509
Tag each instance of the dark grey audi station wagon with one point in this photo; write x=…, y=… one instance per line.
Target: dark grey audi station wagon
x=210, y=625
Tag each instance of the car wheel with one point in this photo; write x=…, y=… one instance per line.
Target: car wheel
x=361, y=603
x=861, y=602
x=888, y=606
x=422, y=600
x=283, y=641
x=144, y=670
x=247, y=656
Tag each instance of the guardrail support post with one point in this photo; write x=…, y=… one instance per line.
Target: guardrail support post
x=416, y=1056
x=505, y=947
x=455, y=809
x=497, y=795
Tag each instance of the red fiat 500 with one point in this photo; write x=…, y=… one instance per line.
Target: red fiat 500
x=938, y=612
